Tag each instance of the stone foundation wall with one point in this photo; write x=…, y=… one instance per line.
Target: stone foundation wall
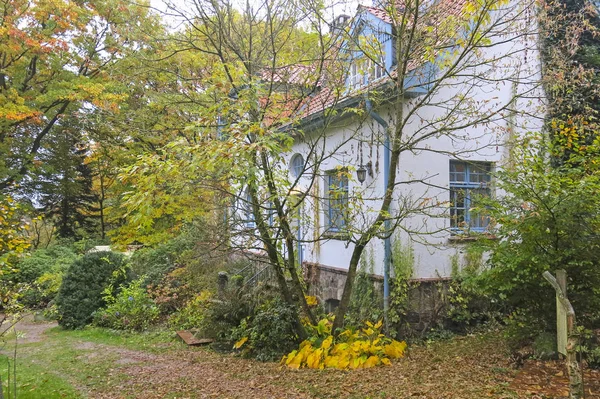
x=427, y=298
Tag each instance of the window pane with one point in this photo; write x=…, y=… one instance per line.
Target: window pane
x=297, y=165
x=468, y=182
x=479, y=173
x=458, y=171
x=337, y=201
x=478, y=220
x=457, y=208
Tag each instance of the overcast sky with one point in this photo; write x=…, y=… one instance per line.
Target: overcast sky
x=337, y=7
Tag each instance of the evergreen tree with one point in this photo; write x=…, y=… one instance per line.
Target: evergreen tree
x=65, y=185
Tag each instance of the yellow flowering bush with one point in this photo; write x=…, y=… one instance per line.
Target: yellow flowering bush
x=353, y=349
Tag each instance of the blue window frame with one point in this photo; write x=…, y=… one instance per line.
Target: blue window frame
x=468, y=181
x=297, y=165
x=336, y=201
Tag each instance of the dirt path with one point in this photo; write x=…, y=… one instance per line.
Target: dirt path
x=464, y=368
x=29, y=331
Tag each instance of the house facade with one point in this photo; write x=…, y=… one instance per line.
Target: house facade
x=455, y=118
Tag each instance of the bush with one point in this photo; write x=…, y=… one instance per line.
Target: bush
x=43, y=290
x=548, y=221
x=270, y=333
x=193, y=314
x=154, y=263
x=55, y=259
x=352, y=349
x=81, y=291
x=130, y=309
x=172, y=293
x=227, y=313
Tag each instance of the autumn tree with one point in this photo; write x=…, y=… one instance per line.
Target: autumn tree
x=274, y=76
x=257, y=67
x=56, y=58
x=448, y=54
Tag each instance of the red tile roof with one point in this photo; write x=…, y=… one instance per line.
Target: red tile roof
x=327, y=96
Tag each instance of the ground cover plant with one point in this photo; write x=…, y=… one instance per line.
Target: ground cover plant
x=351, y=349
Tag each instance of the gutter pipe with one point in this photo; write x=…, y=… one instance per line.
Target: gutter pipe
x=387, y=245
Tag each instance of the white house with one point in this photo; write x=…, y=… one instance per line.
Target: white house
x=459, y=113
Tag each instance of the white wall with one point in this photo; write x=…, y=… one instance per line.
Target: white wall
x=489, y=141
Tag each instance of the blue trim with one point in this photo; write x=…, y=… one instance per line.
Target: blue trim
x=387, y=242
x=466, y=185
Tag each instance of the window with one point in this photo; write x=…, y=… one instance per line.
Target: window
x=468, y=181
x=355, y=79
x=336, y=200
x=376, y=69
x=364, y=71
x=296, y=165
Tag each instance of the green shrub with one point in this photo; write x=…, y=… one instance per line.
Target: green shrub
x=192, y=315
x=54, y=259
x=154, y=263
x=130, y=309
x=43, y=290
x=226, y=313
x=549, y=220
x=81, y=291
x=589, y=346
x=270, y=332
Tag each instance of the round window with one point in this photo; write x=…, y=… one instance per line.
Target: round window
x=297, y=165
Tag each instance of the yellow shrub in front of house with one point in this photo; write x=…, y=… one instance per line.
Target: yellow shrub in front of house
x=362, y=348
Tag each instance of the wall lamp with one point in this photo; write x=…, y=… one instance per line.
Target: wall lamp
x=361, y=172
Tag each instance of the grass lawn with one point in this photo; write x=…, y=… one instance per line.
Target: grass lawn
x=97, y=363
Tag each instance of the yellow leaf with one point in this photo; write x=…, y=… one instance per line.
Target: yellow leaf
x=386, y=361
x=372, y=361
x=343, y=363
x=378, y=325
x=327, y=343
x=312, y=361
x=291, y=357
x=332, y=361
x=241, y=342
x=296, y=361
x=311, y=300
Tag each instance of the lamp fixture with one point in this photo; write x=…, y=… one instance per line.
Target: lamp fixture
x=361, y=174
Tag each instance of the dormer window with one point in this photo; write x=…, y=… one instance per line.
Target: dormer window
x=355, y=77
x=364, y=71
x=377, y=69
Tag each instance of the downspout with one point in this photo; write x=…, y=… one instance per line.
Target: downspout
x=387, y=245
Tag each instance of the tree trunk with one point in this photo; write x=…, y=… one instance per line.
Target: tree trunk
x=285, y=226
x=274, y=258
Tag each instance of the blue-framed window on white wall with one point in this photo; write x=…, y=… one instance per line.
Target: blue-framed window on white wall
x=468, y=181
x=336, y=200
x=296, y=165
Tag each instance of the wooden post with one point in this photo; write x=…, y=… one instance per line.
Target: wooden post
x=562, y=329
x=575, y=376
